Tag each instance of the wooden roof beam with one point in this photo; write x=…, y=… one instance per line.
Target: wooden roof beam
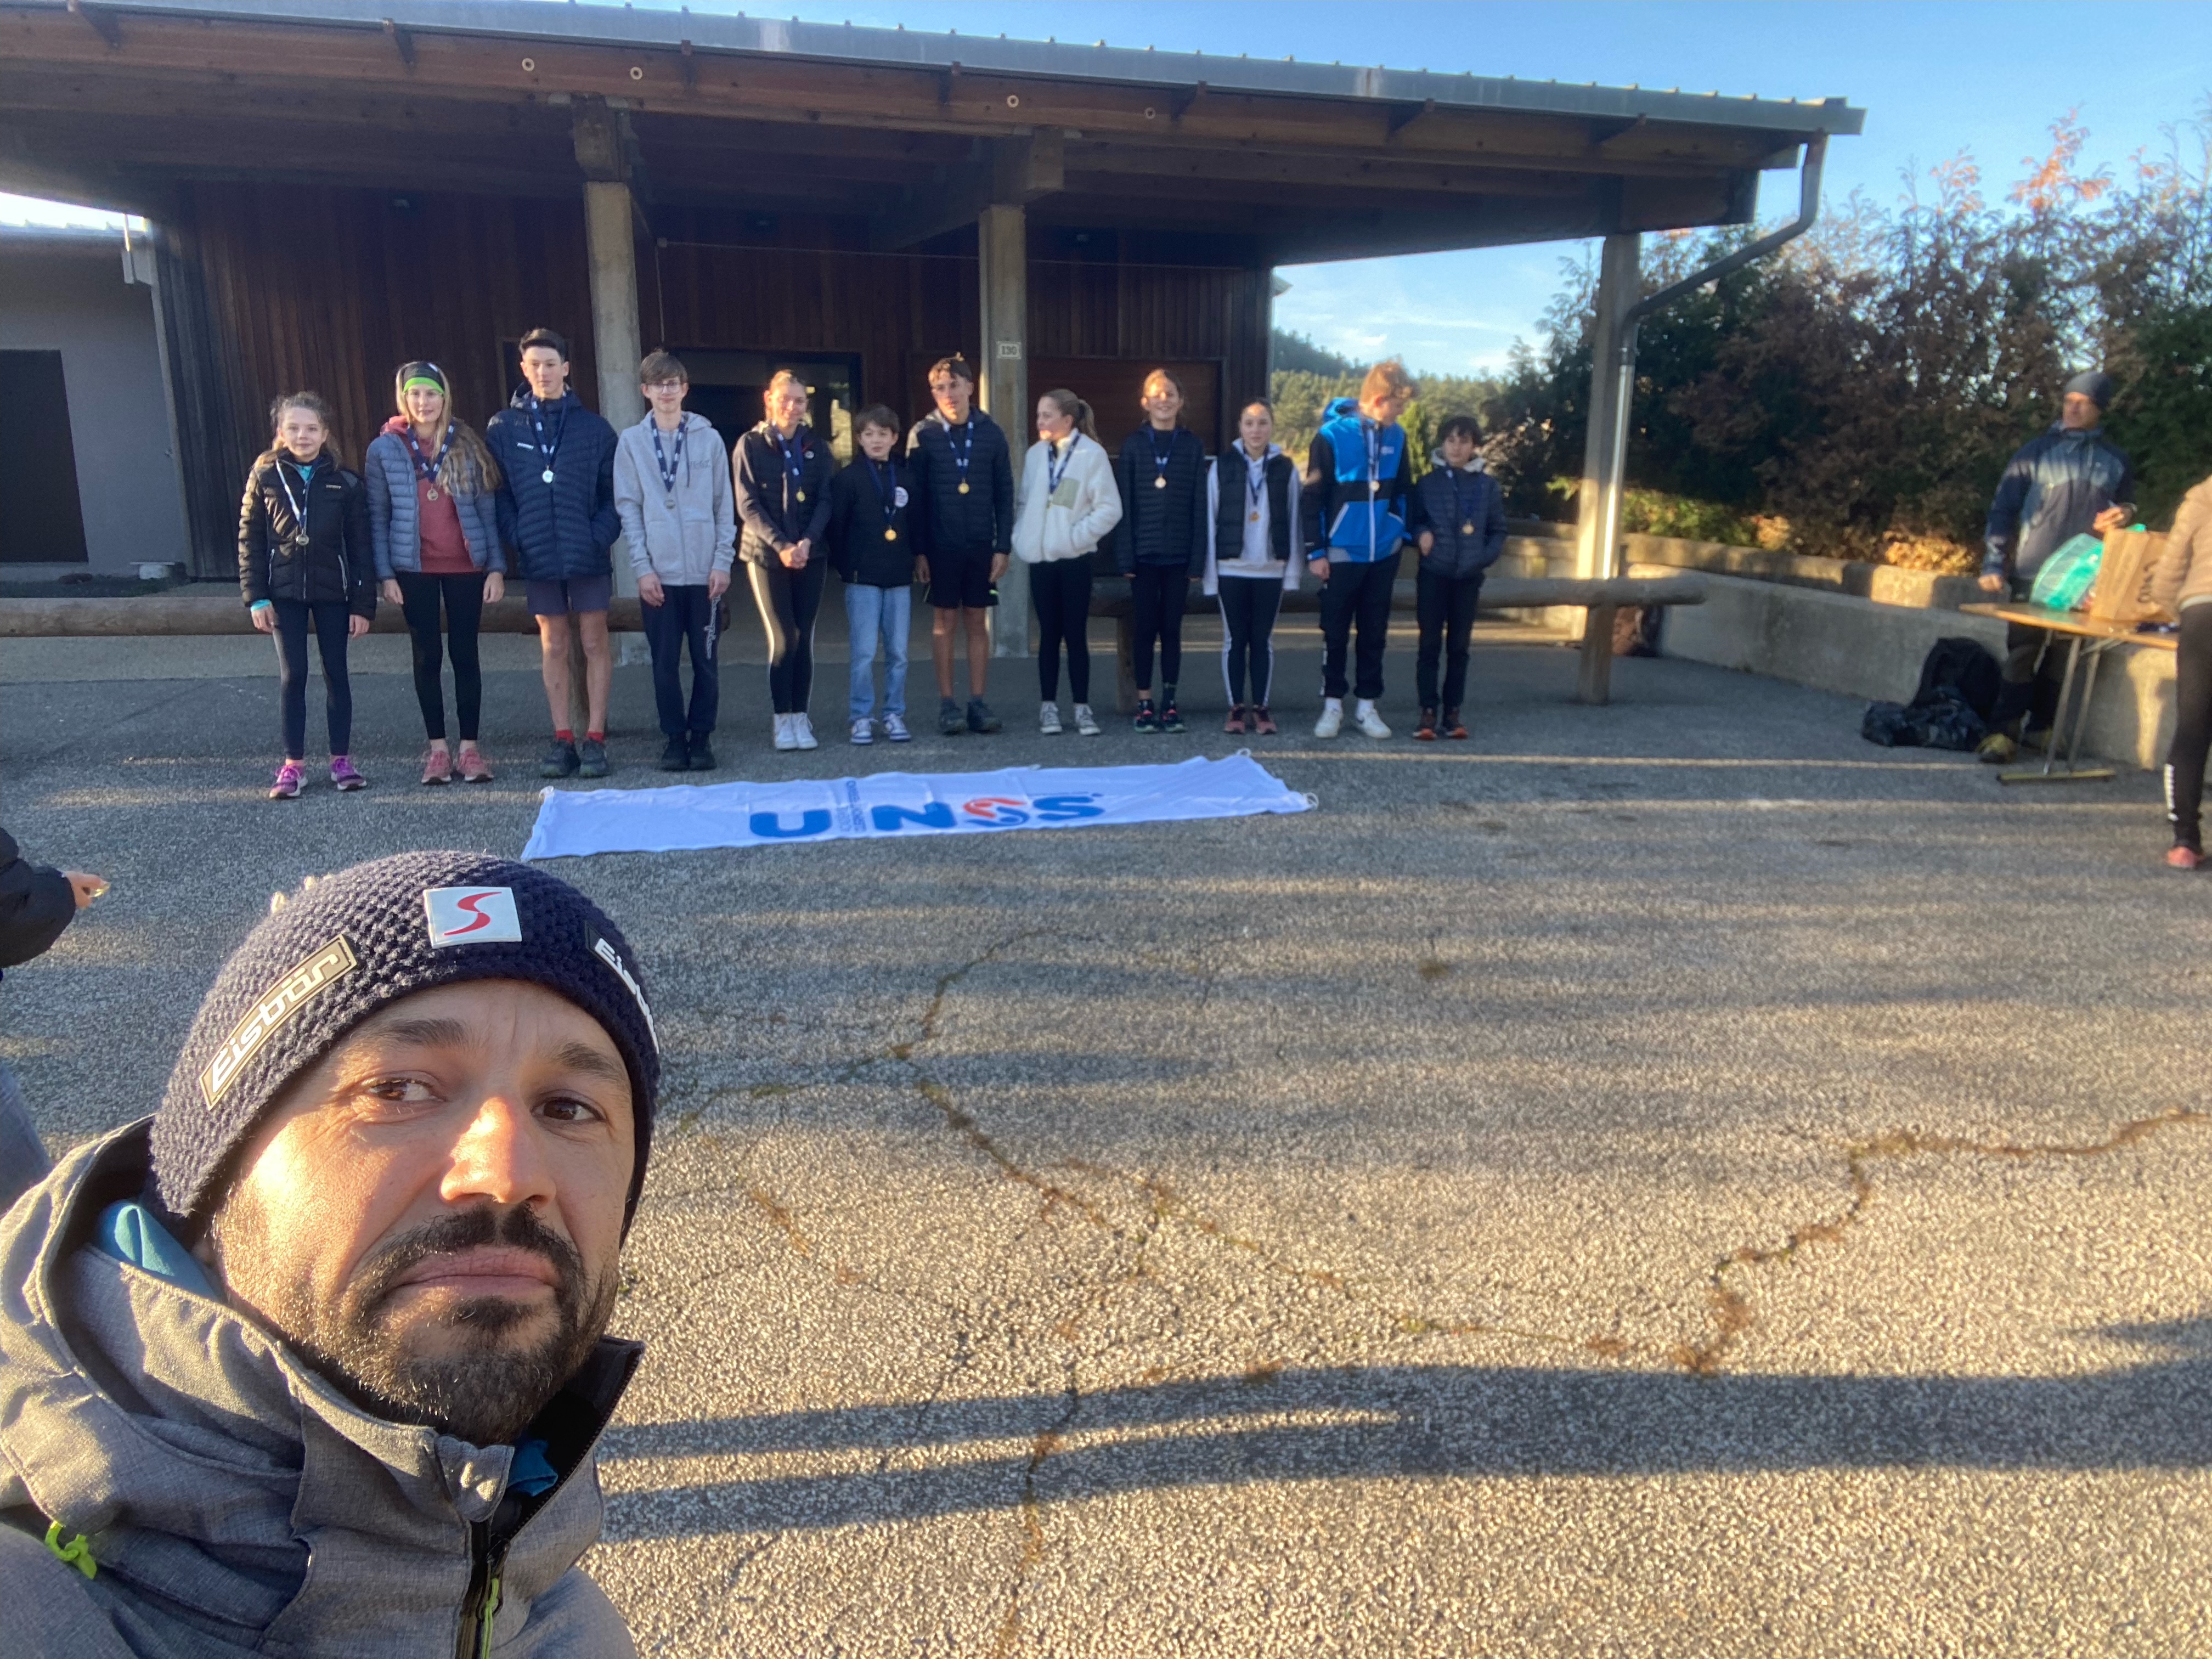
x=1010, y=172
x=102, y=20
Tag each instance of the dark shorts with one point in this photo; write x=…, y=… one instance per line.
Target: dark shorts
x=962, y=582
x=574, y=598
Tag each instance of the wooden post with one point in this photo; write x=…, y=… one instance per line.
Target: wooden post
x=1002, y=237
x=1594, y=675
x=1619, y=287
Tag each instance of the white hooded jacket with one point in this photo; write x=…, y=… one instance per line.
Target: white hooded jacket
x=1069, y=522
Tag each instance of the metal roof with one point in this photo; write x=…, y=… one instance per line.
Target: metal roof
x=603, y=25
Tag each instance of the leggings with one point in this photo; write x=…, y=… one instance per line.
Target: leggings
x=1249, y=604
x=2192, y=724
x=331, y=619
x=1446, y=607
x=463, y=596
x=1158, y=593
x=788, y=600
x=1060, y=589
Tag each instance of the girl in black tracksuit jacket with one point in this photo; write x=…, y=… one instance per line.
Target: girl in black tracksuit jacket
x=1160, y=540
x=305, y=563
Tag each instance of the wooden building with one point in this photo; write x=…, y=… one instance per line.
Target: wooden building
x=340, y=186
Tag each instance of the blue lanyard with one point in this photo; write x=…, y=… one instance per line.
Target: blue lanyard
x=538, y=426
x=663, y=461
x=1159, y=461
x=1372, y=434
x=1459, y=506
x=1255, y=478
x=963, y=455
x=1054, y=453
x=886, y=483
x=306, y=479
x=794, y=456
x=428, y=468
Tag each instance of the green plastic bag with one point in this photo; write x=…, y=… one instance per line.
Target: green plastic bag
x=2068, y=573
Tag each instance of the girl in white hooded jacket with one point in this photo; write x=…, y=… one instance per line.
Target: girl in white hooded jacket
x=1067, y=501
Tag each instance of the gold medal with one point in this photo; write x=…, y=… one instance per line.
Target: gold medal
x=964, y=486
x=432, y=493
x=891, y=535
x=1255, y=518
x=1373, y=488
x=800, y=494
x=1466, y=529
x=1160, y=483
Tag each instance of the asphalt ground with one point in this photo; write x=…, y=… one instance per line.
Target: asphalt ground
x=1658, y=1180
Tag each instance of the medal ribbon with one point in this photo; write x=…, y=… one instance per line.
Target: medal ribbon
x=794, y=456
x=1159, y=461
x=298, y=507
x=429, y=468
x=967, y=450
x=538, y=426
x=886, y=483
x=1056, y=461
x=1255, y=479
x=666, y=464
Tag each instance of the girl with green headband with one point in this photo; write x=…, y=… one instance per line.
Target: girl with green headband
x=431, y=518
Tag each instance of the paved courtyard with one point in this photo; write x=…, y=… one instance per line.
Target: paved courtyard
x=1669, y=1179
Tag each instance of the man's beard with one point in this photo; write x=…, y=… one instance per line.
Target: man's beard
x=482, y=1392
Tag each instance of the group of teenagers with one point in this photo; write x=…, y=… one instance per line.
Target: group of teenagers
x=439, y=517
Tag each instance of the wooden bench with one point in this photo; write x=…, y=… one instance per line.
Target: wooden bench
x=1600, y=599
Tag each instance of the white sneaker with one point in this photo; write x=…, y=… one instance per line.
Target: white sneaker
x=1364, y=717
x=895, y=728
x=802, y=732
x=1048, y=720
x=1331, y=718
x=1087, y=723
x=864, y=732
x=785, y=737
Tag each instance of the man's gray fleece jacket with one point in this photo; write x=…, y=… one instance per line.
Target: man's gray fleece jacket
x=231, y=1501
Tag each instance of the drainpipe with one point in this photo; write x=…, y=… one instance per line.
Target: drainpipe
x=1809, y=211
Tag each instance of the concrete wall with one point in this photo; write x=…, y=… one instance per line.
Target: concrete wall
x=68, y=295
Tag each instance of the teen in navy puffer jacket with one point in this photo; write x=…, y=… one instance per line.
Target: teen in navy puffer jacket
x=560, y=530
x=1458, y=521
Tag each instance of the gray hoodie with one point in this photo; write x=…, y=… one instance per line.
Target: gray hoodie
x=685, y=544
x=231, y=1501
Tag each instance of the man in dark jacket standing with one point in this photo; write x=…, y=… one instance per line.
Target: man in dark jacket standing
x=2069, y=482
x=557, y=516
x=965, y=476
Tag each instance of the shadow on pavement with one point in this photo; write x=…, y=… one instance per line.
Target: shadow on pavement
x=1426, y=1422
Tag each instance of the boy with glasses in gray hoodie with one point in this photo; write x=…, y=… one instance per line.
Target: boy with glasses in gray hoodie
x=679, y=519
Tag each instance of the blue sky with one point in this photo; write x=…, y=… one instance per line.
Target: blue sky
x=1935, y=79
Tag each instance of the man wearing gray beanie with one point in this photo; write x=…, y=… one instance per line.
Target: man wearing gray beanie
x=2070, y=481
x=314, y=1360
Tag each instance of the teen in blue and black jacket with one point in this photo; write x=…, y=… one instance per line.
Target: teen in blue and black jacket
x=1357, y=478
x=1459, y=526
x=1160, y=540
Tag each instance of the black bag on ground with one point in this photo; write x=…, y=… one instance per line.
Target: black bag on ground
x=1951, y=710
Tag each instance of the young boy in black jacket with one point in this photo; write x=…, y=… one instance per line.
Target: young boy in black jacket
x=1458, y=521
x=872, y=547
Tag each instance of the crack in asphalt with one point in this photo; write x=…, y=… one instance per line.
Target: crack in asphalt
x=1048, y=1442
x=1730, y=1308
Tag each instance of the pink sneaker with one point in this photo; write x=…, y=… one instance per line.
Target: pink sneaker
x=289, y=779
x=437, y=766
x=343, y=776
x=473, y=767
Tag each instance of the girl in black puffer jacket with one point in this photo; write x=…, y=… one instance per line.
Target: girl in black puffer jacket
x=304, y=561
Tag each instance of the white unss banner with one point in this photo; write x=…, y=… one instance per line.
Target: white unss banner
x=574, y=823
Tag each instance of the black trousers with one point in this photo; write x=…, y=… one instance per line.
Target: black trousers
x=1158, y=593
x=686, y=615
x=2034, y=667
x=1060, y=590
x=1446, y=608
x=1356, y=594
x=1249, y=605
x=333, y=620
x=2193, y=725
x=462, y=597
x=789, y=601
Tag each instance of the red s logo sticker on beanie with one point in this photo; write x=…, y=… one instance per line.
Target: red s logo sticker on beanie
x=471, y=915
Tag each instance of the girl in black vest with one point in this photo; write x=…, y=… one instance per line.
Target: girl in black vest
x=305, y=563
x=1161, y=536
x=1251, y=560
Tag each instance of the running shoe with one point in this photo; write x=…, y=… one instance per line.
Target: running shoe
x=802, y=733
x=591, y=759
x=1148, y=719
x=437, y=766
x=677, y=756
x=1234, y=723
x=1048, y=720
x=1454, y=727
x=1170, y=717
x=342, y=775
x=1087, y=723
x=1426, y=731
x=2182, y=856
x=559, y=761
x=1997, y=749
x=1263, y=722
x=290, y=776
x=473, y=766
x=864, y=733
x=951, y=722
x=1368, y=721
x=1332, y=720
x=702, y=752
x=787, y=735
x=895, y=729
x=980, y=717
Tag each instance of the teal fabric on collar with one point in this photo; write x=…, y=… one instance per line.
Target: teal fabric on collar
x=129, y=1232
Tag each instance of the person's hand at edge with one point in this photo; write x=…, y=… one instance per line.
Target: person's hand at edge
x=87, y=886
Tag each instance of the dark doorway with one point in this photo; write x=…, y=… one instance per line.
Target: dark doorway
x=43, y=522
x=727, y=388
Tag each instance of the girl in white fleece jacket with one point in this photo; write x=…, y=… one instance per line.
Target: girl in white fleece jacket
x=1068, y=499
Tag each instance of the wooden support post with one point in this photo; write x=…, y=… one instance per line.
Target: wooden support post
x=1002, y=233
x=1619, y=287
x=1594, y=675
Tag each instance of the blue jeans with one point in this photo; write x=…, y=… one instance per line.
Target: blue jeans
x=684, y=615
x=870, y=614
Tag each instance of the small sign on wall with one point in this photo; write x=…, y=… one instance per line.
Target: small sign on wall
x=1010, y=350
